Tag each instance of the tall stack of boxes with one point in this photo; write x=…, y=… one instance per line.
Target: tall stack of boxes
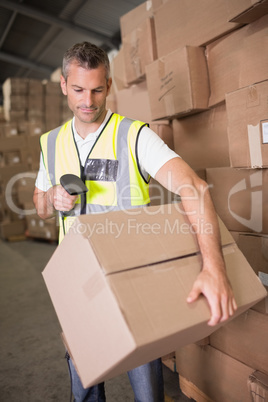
x=31, y=107
x=205, y=91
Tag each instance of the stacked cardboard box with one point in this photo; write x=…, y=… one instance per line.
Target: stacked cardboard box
x=15, y=99
x=53, y=105
x=36, y=227
x=30, y=108
x=208, y=81
x=35, y=101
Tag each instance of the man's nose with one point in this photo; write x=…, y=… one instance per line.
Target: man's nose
x=88, y=99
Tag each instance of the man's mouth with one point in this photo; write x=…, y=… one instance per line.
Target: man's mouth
x=87, y=109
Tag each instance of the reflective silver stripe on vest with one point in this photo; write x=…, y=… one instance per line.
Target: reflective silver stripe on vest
x=97, y=209
x=123, y=182
x=51, y=154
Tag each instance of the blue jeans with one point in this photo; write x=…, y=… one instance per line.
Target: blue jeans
x=146, y=381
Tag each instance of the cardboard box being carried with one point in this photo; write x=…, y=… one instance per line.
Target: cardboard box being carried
x=119, y=283
x=248, y=126
x=178, y=83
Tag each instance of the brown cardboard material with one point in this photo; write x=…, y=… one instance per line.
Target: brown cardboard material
x=34, y=128
x=158, y=3
x=258, y=386
x=25, y=189
x=139, y=49
x=15, y=86
x=262, y=306
x=12, y=143
x=9, y=172
x=240, y=197
x=10, y=129
x=133, y=102
x=178, y=83
x=52, y=88
x=248, y=126
x=252, y=327
x=158, y=194
x=206, y=21
x=202, y=139
x=255, y=249
x=38, y=228
x=165, y=132
x=191, y=391
x=136, y=16
x=9, y=229
x=119, y=281
x=217, y=375
x=237, y=60
x=35, y=87
x=35, y=103
x=246, y=11
x=15, y=115
x=118, y=71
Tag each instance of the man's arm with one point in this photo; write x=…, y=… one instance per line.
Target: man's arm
x=212, y=282
x=56, y=198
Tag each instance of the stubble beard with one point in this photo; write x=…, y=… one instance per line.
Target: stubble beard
x=92, y=118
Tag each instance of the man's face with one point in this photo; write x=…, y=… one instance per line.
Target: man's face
x=86, y=92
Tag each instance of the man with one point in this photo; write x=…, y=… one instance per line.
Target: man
x=116, y=156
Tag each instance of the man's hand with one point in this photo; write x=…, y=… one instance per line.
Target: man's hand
x=215, y=286
x=56, y=198
x=62, y=201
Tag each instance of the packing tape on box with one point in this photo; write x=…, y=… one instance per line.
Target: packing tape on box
x=254, y=142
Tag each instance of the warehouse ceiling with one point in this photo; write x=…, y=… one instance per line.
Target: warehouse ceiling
x=34, y=34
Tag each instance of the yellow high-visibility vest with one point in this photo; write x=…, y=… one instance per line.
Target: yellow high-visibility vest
x=111, y=172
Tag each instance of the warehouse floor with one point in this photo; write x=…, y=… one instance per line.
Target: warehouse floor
x=33, y=367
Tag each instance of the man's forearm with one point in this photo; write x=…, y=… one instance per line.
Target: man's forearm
x=43, y=202
x=197, y=204
x=203, y=219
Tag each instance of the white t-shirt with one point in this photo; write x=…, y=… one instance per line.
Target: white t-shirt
x=153, y=153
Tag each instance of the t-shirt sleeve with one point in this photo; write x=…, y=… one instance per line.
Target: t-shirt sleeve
x=152, y=152
x=42, y=182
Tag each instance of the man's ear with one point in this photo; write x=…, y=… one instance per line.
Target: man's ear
x=63, y=84
x=109, y=84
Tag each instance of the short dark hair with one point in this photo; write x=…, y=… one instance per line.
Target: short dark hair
x=86, y=55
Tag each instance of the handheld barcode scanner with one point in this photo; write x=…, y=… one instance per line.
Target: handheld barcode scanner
x=74, y=185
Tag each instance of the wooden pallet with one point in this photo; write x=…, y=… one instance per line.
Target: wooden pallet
x=191, y=391
x=41, y=239
x=16, y=238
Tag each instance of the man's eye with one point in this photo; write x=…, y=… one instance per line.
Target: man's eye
x=78, y=90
